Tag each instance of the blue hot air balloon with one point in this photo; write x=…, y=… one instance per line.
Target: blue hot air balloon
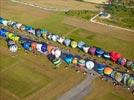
x=44, y=47
x=68, y=58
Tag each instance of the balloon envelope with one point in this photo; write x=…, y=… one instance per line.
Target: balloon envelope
x=73, y=44
x=44, y=47
x=122, y=61
x=92, y=50
x=108, y=70
x=13, y=48
x=89, y=65
x=68, y=58
x=67, y=42
x=81, y=44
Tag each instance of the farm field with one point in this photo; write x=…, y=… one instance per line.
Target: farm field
x=31, y=77
x=64, y=4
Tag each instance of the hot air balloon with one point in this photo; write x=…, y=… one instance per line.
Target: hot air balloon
x=38, y=47
x=122, y=61
x=129, y=63
x=27, y=46
x=13, y=48
x=18, y=25
x=68, y=58
x=99, y=68
x=115, y=56
x=118, y=76
x=75, y=61
x=99, y=52
x=38, y=32
x=92, y=50
x=33, y=45
x=49, y=48
x=132, y=67
x=10, y=42
x=130, y=82
x=89, y=65
x=106, y=55
x=73, y=44
x=108, y=70
x=55, y=37
x=57, y=53
x=44, y=47
x=67, y=42
x=81, y=63
x=81, y=44
x=3, y=33
x=125, y=78
x=57, y=62
x=61, y=39
x=86, y=49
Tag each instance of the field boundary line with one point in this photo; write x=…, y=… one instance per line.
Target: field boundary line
x=108, y=25
x=43, y=8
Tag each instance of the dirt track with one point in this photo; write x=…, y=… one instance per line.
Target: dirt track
x=100, y=29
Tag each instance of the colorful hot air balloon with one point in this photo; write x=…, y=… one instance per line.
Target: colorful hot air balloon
x=125, y=78
x=130, y=82
x=73, y=44
x=75, y=61
x=122, y=61
x=33, y=45
x=92, y=50
x=89, y=65
x=44, y=47
x=106, y=55
x=99, y=68
x=27, y=46
x=57, y=53
x=49, y=48
x=38, y=47
x=86, y=49
x=115, y=56
x=61, y=39
x=108, y=70
x=99, y=52
x=118, y=76
x=81, y=44
x=67, y=42
x=81, y=63
x=57, y=62
x=13, y=48
x=3, y=33
x=68, y=58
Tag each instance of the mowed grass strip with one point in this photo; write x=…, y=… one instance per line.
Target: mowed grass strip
x=22, y=80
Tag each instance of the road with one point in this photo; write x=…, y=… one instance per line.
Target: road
x=81, y=90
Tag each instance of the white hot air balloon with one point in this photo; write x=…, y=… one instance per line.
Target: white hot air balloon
x=38, y=47
x=13, y=48
x=57, y=53
x=89, y=65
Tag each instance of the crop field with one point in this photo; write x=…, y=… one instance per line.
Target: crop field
x=30, y=77
x=64, y=4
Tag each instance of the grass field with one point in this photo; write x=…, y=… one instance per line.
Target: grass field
x=103, y=90
x=35, y=73
x=64, y=4
x=23, y=76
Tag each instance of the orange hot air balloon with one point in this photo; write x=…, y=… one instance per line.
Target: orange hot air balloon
x=108, y=70
x=49, y=48
x=34, y=45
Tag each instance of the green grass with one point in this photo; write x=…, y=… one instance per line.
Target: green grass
x=83, y=14
x=23, y=81
x=120, y=16
x=103, y=90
